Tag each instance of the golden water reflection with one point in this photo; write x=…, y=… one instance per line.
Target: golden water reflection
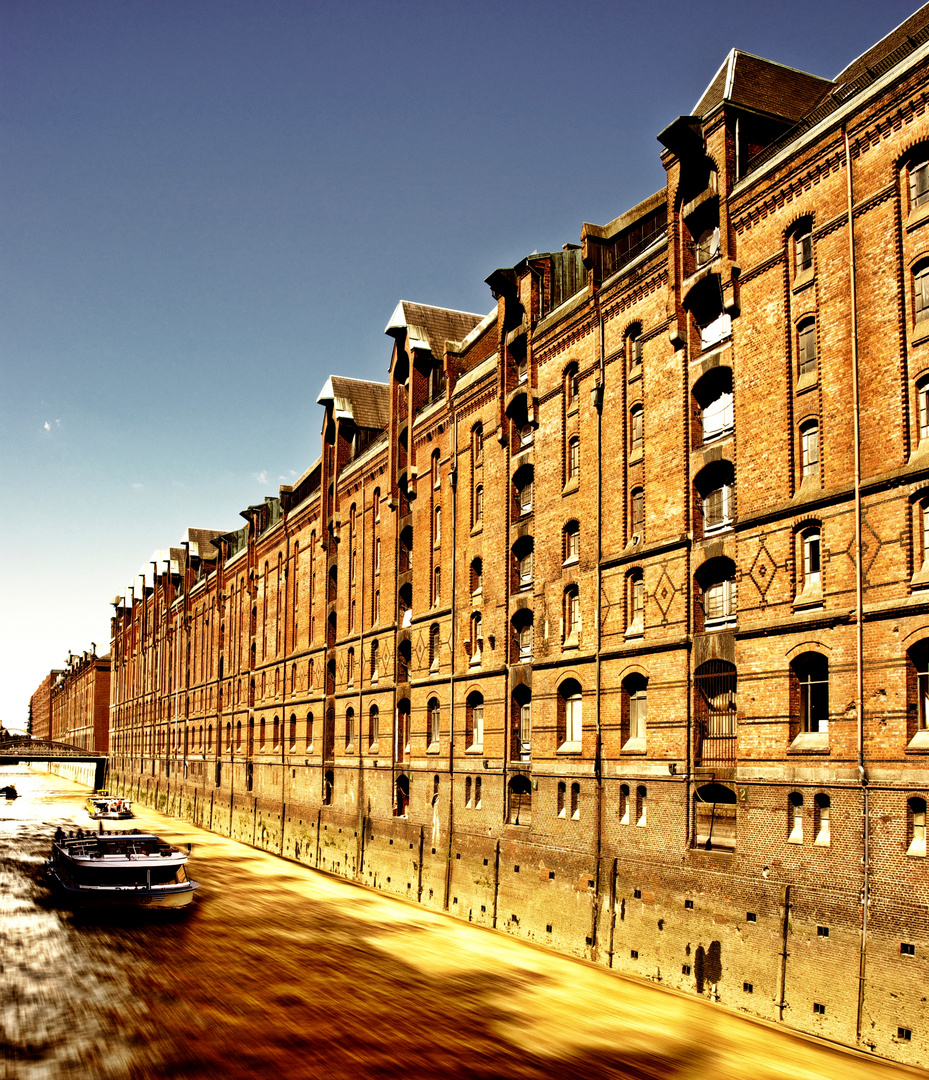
x=281, y=971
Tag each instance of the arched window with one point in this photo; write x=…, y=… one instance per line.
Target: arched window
x=522, y=487
x=262, y=734
x=576, y=801
x=475, y=721
x=714, y=486
x=437, y=586
x=238, y=736
x=571, y=386
x=477, y=638
x=349, y=727
x=713, y=398
x=572, y=615
x=309, y=732
x=250, y=749
x=641, y=806
x=435, y=720
x=477, y=793
x=810, y=678
x=570, y=715
x=917, y=692
x=402, y=796
x=561, y=793
x=350, y=667
x=822, y=809
x=522, y=723
x=477, y=444
x=477, y=576
x=437, y=530
x=806, y=347
x=918, y=182
x=916, y=827
x=574, y=458
x=635, y=612
x=434, y=470
x=625, y=811
x=403, y=725
x=634, y=349
x=795, y=818
x=572, y=542
x=636, y=429
x=434, y=647
x=522, y=562
x=468, y=791
x=328, y=787
x=809, y=450
x=635, y=711
x=715, y=818
x=375, y=654
x=519, y=801
x=716, y=582
x=522, y=636
x=803, y=246
x=478, y=504
x=277, y=732
x=404, y=651
x=376, y=503
x=921, y=291
x=637, y=514
x=810, y=566
x=373, y=719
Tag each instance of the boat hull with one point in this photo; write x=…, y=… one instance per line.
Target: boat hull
x=102, y=897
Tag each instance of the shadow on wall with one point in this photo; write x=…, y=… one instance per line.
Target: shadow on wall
x=708, y=966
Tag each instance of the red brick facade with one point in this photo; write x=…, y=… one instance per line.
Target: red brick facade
x=605, y=620
x=73, y=705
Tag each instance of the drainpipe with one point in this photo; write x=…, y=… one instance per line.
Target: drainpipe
x=859, y=602
x=597, y=400
x=453, y=481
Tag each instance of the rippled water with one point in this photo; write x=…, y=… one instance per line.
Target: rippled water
x=281, y=971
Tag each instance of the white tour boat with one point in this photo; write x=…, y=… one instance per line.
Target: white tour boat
x=103, y=807
x=119, y=869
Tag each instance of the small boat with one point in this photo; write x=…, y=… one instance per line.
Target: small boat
x=119, y=869
x=104, y=807
x=9, y=792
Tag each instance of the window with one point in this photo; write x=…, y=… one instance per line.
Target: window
x=277, y=732
x=916, y=827
x=795, y=818
x=636, y=612
x=810, y=560
x=637, y=507
x=624, y=807
x=402, y=797
x=917, y=689
x=309, y=731
x=522, y=726
x=562, y=791
x=576, y=801
x=572, y=542
x=477, y=576
x=375, y=654
x=377, y=555
x=524, y=435
x=349, y=727
x=524, y=641
x=641, y=806
x=468, y=791
x=523, y=482
x=716, y=711
x=806, y=347
x=522, y=369
x=716, y=579
x=434, y=470
x=572, y=615
x=477, y=793
x=571, y=386
x=803, y=248
x=715, y=818
x=475, y=721
x=328, y=786
x=477, y=444
x=376, y=502
x=477, y=638
x=434, y=647
x=434, y=722
x=350, y=667
x=376, y=607
x=636, y=429
x=706, y=245
x=715, y=489
x=478, y=504
x=634, y=349
x=574, y=458
x=519, y=800
x=811, y=675
x=570, y=715
x=634, y=711
x=922, y=407
x=822, y=809
x=714, y=400
x=437, y=532
x=373, y=720
x=437, y=585
x=921, y=292
x=919, y=184
x=522, y=557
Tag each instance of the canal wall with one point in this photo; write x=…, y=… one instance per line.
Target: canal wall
x=706, y=925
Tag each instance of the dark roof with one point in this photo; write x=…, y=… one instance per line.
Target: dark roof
x=367, y=403
x=430, y=327
x=763, y=86
x=896, y=39
x=203, y=538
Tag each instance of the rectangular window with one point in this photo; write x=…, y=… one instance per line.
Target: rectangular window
x=809, y=449
x=806, y=348
x=637, y=436
x=638, y=512
x=804, y=250
x=921, y=293
x=919, y=184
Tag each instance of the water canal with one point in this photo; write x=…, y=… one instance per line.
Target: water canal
x=282, y=971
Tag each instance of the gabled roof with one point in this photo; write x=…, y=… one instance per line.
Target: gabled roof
x=763, y=86
x=896, y=39
x=430, y=327
x=366, y=403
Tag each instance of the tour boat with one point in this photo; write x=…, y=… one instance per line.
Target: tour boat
x=103, y=807
x=119, y=869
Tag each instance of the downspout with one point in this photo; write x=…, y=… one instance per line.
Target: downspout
x=453, y=481
x=597, y=401
x=859, y=601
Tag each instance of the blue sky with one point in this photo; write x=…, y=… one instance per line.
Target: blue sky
x=206, y=208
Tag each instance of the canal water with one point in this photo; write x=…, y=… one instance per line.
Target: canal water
x=279, y=971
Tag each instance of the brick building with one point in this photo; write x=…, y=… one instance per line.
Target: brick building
x=40, y=707
x=604, y=621
x=79, y=703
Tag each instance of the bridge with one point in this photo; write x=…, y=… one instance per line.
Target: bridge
x=15, y=749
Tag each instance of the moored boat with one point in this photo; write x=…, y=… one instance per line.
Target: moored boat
x=9, y=792
x=119, y=869
x=104, y=807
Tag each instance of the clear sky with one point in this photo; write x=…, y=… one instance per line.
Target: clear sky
x=207, y=207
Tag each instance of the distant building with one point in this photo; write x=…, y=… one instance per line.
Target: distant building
x=40, y=707
x=79, y=703
x=605, y=620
